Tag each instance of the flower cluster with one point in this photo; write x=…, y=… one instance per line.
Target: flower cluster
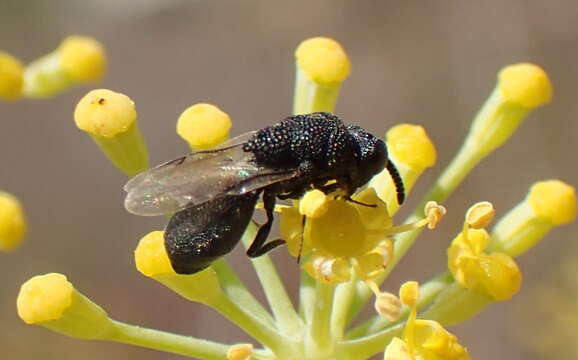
x=346, y=247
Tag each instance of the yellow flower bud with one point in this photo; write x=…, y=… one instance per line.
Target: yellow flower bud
x=152, y=260
x=322, y=65
x=554, y=200
x=548, y=204
x=78, y=59
x=105, y=113
x=410, y=145
x=51, y=301
x=12, y=222
x=525, y=84
x=323, y=60
x=240, y=352
x=480, y=215
x=203, y=126
x=82, y=58
x=412, y=151
x=151, y=257
x=314, y=204
x=110, y=118
x=44, y=298
x=11, y=77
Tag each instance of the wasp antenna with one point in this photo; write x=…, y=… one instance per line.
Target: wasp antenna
x=399, y=188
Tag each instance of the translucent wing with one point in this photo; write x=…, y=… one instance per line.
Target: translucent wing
x=199, y=177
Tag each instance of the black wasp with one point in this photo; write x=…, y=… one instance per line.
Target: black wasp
x=213, y=193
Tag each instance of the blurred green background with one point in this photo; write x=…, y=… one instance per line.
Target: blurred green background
x=426, y=62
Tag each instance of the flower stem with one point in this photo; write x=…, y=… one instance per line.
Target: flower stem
x=365, y=347
x=261, y=332
x=456, y=304
x=344, y=295
x=288, y=321
x=306, y=297
x=167, y=342
x=319, y=340
x=239, y=294
x=311, y=97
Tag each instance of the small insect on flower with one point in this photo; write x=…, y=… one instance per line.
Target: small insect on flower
x=213, y=193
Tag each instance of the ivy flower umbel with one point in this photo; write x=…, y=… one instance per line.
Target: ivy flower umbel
x=347, y=249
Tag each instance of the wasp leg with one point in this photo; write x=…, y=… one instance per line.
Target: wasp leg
x=303, y=219
x=297, y=194
x=258, y=246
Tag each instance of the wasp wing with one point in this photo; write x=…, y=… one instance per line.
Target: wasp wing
x=198, y=177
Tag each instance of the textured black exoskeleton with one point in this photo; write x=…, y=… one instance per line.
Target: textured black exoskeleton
x=213, y=193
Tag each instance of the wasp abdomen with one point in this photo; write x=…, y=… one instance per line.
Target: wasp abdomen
x=197, y=236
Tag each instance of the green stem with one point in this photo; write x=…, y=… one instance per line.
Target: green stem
x=456, y=304
x=258, y=330
x=319, y=340
x=365, y=347
x=126, y=151
x=167, y=342
x=288, y=321
x=306, y=297
x=311, y=97
x=344, y=295
x=239, y=294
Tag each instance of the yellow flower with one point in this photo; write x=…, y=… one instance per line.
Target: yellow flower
x=52, y=301
x=423, y=339
x=203, y=126
x=348, y=238
x=548, y=204
x=495, y=274
x=525, y=84
x=554, y=201
x=323, y=60
x=82, y=58
x=344, y=238
x=152, y=260
x=78, y=59
x=412, y=151
x=12, y=222
x=110, y=119
x=322, y=65
x=11, y=77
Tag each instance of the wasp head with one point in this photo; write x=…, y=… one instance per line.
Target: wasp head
x=371, y=154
